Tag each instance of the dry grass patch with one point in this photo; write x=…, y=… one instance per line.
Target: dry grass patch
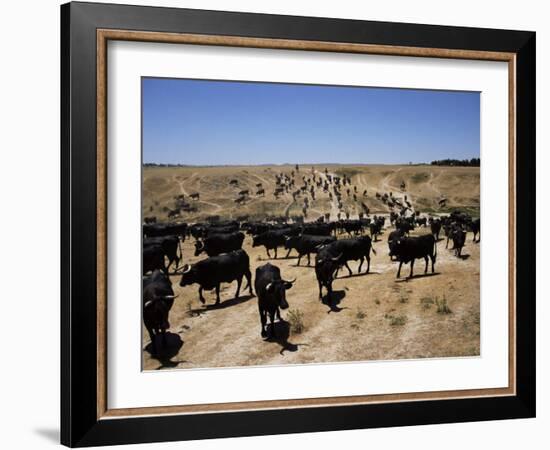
x=296, y=321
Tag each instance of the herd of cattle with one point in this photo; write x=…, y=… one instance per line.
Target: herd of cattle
x=334, y=244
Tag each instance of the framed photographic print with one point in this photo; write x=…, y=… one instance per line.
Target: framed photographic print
x=277, y=224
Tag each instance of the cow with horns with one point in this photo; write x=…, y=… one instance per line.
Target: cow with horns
x=158, y=298
x=209, y=273
x=271, y=291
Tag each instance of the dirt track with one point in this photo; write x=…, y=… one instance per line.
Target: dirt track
x=425, y=185
x=374, y=316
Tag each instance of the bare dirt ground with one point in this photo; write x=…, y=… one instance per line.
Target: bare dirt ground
x=372, y=316
x=425, y=185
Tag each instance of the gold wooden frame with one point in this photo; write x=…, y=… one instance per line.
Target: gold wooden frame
x=103, y=36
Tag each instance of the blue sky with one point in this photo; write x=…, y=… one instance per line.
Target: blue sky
x=202, y=122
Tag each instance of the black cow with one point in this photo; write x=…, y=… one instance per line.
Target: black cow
x=221, y=229
x=305, y=244
x=353, y=226
x=169, y=246
x=318, y=229
x=435, y=227
x=405, y=225
x=376, y=228
x=273, y=239
x=257, y=228
x=271, y=291
x=392, y=241
x=173, y=213
x=198, y=230
x=458, y=236
x=211, y=272
x=407, y=249
x=165, y=229
x=326, y=266
x=215, y=244
x=351, y=250
x=153, y=258
x=158, y=298
x=421, y=221
x=475, y=226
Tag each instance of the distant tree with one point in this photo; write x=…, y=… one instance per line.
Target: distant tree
x=474, y=162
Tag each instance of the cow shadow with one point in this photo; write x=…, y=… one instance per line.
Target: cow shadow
x=164, y=350
x=414, y=277
x=334, y=300
x=463, y=257
x=231, y=302
x=362, y=274
x=279, y=333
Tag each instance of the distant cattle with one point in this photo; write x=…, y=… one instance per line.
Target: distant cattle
x=244, y=192
x=195, y=196
x=305, y=244
x=219, y=243
x=173, y=213
x=209, y=273
x=260, y=192
x=158, y=298
x=271, y=291
x=407, y=249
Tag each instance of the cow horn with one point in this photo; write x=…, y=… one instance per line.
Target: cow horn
x=268, y=287
x=200, y=244
x=291, y=282
x=337, y=257
x=169, y=297
x=147, y=303
x=186, y=268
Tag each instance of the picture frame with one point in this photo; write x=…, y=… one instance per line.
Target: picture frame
x=86, y=28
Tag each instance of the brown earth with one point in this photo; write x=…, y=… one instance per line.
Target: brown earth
x=425, y=185
x=374, y=316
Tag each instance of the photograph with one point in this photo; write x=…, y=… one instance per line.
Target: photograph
x=298, y=224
